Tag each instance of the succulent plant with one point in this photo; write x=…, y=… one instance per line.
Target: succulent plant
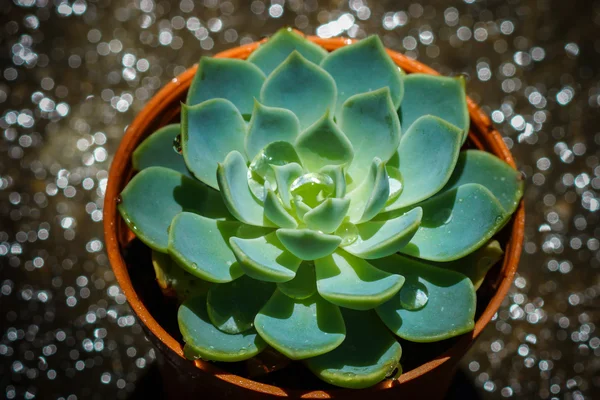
x=319, y=203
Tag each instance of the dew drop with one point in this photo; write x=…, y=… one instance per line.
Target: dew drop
x=396, y=185
x=119, y=199
x=177, y=144
x=348, y=232
x=413, y=295
x=443, y=216
x=313, y=188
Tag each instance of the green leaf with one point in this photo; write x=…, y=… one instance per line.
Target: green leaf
x=428, y=153
x=303, y=285
x=276, y=213
x=268, y=125
x=449, y=298
x=367, y=355
x=362, y=67
x=232, y=306
x=202, y=339
x=370, y=121
x=327, y=216
x=440, y=96
x=323, y=144
x=301, y=87
x=156, y=194
x=232, y=176
x=336, y=173
x=275, y=50
x=209, y=131
x=369, y=198
x=153, y=151
x=201, y=246
x=456, y=223
x=475, y=166
x=307, y=244
x=351, y=282
x=226, y=78
x=265, y=258
x=300, y=207
x=321, y=326
x=284, y=176
x=174, y=280
x=378, y=239
x=477, y=264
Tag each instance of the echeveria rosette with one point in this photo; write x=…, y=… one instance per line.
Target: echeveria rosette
x=321, y=205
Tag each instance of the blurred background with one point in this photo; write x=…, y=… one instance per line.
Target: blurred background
x=73, y=74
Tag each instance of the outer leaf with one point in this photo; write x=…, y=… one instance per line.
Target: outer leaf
x=367, y=355
x=475, y=166
x=152, y=151
x=201, y=246
x=327, y=216
x=232, y=177
x=378, y=239
x=303, y=285
x=307, y=244
x=209, y=131
x=226, y=78
x=284, y=176
x=203, y=339
x=322, y=326
x=323, y=144
x=268, y=125
x=300, y=86
x=370, y=121
x=428, y=153
x=440, y=96
x=477, y=264
x=369, y=198
x=265, y=258
x=276, y=213
x=456, y=223
x=351, y=282
x=175, y=281
x=272, y=53
x=362, y=67
x=156, y=194
x=449, y=311
x=232, y=306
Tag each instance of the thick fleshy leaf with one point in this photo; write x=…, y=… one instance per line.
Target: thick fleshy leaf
x=362, y=67
x=268, y=125
x=155, y=195
x=307, y=244
x=370, y=121
x=152, y=152
x=300, y=329
x=378, y=239
x=203, y=340
x=300, y=207
x=209, y=131
x=232, y=176
x=327, y=216
x=276, y=212
x=367, y=355
x=475, y=166
x=428, y=153
x=284, y=176
x=226, y=78
x=434, y=303
x=265, y=258
x=323, y=144
x=303, y=285
x=477, y=264
x=336, y=172
x=201, y=246
x=174, y=281
x=301, y=87
x=369, y=198
x=456, y=223
x=440, y=96
x=272, y=53
x=352, y=282
x=232, y=306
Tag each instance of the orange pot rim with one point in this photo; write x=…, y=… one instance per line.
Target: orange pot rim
x=482, y=133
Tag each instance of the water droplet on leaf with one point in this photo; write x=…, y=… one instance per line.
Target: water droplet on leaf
x=348, y=232
x=313, y=188
x=395, y=181
x=413, y=295
x=177, y=144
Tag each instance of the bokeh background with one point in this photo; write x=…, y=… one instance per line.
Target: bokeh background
x=73, y=74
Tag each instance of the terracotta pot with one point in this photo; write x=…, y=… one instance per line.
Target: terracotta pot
x=184, y=378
